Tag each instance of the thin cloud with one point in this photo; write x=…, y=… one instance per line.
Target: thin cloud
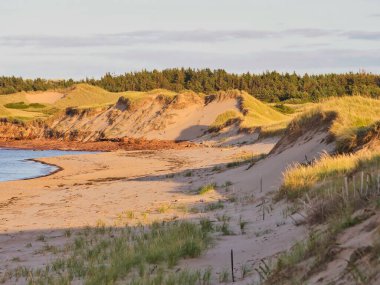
x=97, y=63
x=157, y=37
x=363, y=35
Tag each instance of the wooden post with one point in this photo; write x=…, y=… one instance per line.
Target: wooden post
x=343, y=194
x=263, y=204
x=261, y=184
x=367, y=186
x=232, y=265
x=346, y=185
x=361, y=183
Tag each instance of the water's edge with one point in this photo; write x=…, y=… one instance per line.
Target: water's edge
x=19, y=164
x=56, y=170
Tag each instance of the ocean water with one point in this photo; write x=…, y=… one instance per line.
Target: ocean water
x=15, y=163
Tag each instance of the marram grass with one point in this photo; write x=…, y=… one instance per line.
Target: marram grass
x=142, y=255
x=350, y=116
x=224, y=119
x=298, y=179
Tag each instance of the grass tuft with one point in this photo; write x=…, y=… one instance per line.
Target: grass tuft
x=206, y=188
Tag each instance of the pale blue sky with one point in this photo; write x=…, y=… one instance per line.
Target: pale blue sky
x=79, y=38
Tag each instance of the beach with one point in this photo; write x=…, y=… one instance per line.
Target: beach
x=120, y=188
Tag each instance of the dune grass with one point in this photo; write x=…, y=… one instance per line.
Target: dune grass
x=89, y=96
x=22, y=105
x=258, y=114
x=334, y=203
x=332, y=189
x=283, y=108
x=80, y=96
x=251, y=158
x=206, y=188
x=350, y=117
x=16, y=106
x=224, y=119
x=275, y=129
x=301, y=178
x=141, y=255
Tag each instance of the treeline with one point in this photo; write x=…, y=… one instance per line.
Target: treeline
x=12, y=84
x=269, y=86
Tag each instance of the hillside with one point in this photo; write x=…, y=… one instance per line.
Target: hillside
x=50, y=102
x=92, y=113
x=336, y=195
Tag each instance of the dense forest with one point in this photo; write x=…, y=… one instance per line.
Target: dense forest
x=12, y=84
x=269, y=86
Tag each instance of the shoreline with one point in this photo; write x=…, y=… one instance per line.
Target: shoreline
x=59, y=168
x=103, y=146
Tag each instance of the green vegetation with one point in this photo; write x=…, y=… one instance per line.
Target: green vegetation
x=331, y=190
x=9, y=85
x=257, y=114
x=269, y=86
x=214, y=206
x=225, y=119
x=285, y=109
x=206, y=188
x=302, y=178
x=245, y=159
x=139, y=255
x=337, y=212
x=23, y=105
x=351, y=118
x=80, y=96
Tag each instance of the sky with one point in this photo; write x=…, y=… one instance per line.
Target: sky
x=87, y=38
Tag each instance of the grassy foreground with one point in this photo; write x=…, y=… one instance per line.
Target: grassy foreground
x=142, y=255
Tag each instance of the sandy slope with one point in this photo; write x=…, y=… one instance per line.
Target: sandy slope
x=49, y=97
x=185, y=118
x=276, y=232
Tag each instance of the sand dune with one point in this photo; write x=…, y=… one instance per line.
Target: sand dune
x=48, y=97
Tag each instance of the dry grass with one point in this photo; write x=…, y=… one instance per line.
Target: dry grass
x=349, y=117
x=257, y=114
x=88, y=96
x=225, y=119
x=301, y=178
x=83, y=96
x=206, y=188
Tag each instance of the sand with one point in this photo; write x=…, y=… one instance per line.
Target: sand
x=47, y=97
x=98, y=187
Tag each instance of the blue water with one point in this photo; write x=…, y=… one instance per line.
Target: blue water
x=14, y=164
